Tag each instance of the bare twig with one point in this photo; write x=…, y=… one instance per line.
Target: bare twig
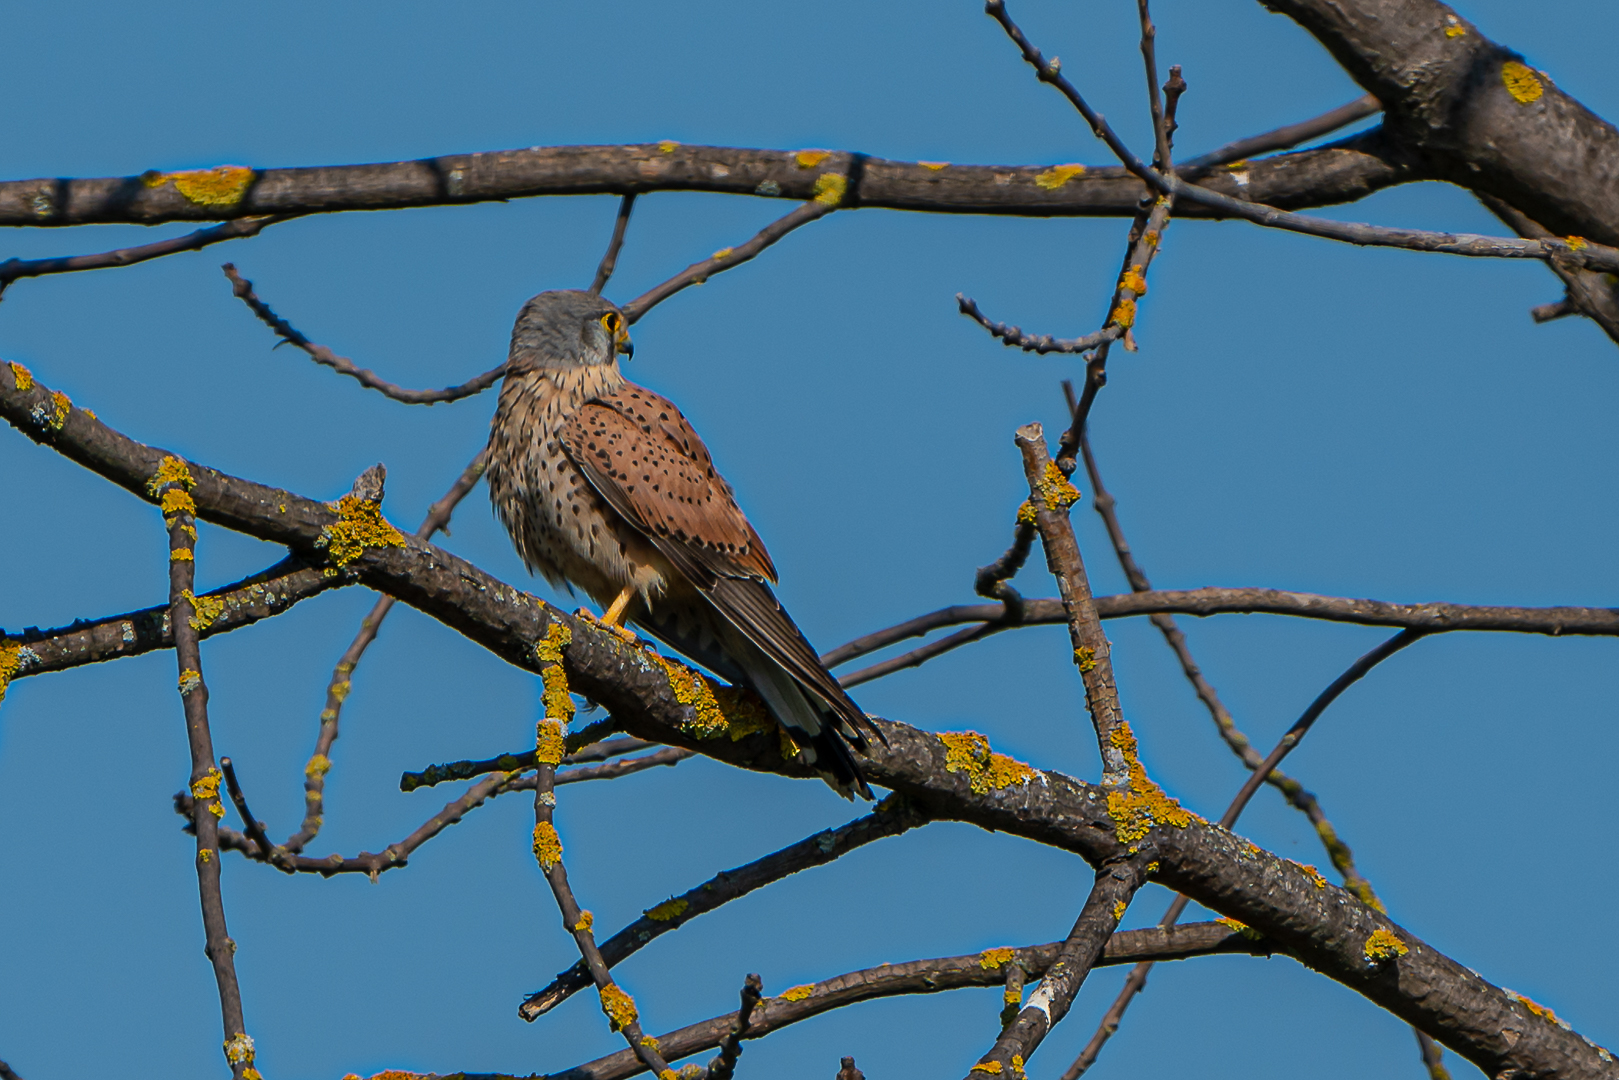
x=1035, y=343
x=15, y=269
x=920, y=656
x=982, y=969
x=1585, y=292
x=253, y=827
x=726, y=258
x=172, y=484
x=1160, y=122
x=723, y=1067
x=1285, y=138
x=610, y=258
x=337, y=689
x=612, y=770
x=367, y=378
x=892, y=817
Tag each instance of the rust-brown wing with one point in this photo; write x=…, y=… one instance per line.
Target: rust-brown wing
x=641, y=454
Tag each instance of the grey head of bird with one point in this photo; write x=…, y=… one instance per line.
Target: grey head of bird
x=567, y=328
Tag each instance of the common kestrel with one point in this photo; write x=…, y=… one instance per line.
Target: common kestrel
x=604, y=485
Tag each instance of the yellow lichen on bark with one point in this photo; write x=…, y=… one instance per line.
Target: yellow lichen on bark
x=10, y=661
x=547, y=845
x=1384, y=945
x=1143, y=805
x=1058, y=175
x=204, y=610
x=808, y=159
x=1521, y=82
x=1055, y=490
x=221, y=186
x=797, y=993
x=990, y=959
x=969, y=752
x=22, y=377
x=829, y=189
x=668, y=911
x=359, y=525
x=549, y=743
x=619, y=1007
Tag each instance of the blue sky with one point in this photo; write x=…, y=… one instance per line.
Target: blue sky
x=1301, y=415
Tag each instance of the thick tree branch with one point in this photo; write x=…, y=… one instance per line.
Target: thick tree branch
x=1320, y=177
x=954, y=778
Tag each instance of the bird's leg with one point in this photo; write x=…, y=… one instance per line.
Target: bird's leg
x=615, y=610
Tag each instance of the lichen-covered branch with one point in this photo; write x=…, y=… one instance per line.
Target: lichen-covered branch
x=1344, y=172
x=1325, y=927
x=171, y=485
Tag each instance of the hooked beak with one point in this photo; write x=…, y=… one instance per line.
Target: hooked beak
x=623, y=344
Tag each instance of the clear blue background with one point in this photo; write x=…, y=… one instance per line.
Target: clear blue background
x=1301, y=415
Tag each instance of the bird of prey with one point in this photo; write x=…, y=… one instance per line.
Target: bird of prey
x=604, y=485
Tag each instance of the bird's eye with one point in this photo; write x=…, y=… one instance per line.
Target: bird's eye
x=612, y=323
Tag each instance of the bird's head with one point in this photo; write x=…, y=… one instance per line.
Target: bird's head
x=565, y=329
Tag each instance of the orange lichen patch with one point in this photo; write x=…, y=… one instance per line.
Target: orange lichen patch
x=745, y=714
x=359, y=525
x=619, y=1007
x=808, y=159
x=1119, y=909
x=181, y=555
x=1454, y=27
x=1055, y=490
x=1537, y=1008
x=586, y=921
x=722, y=253
x=10, y=661
x=206, y=786
x=548, y=737
x=176, y=501
x=1384, y=945
x=60, y=407
x=21, y=376
x=692, y=690
x=549, y=649
x=1240, y=927
x=1027, y=514
x=1085, y=657
x=1012, y=996
x=1058, y=175
x=934, y=165
x=1134, y=280
x=991, y=1067
x=1576, y=243
x=1017, y=1064
x=1312, y=873
x=668, y=146
x=189, y=680
x=651, y=1044
x=991, y=959
x=547, y=845
x=1124, y=313
x=221, y=186
x=170, y=471
x=1151, y=238
x=1521, y=82
x=829, y=188
x=318, y=766
x=969, y=752
x=1143, y=805
x=390, y=1074
x=668, y=911
x=797, y=993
